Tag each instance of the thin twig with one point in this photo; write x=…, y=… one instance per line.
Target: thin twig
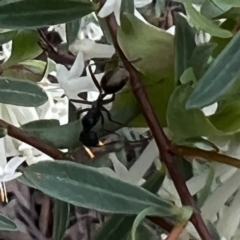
x=23, y=136
x=62, y=58
x=208, y=155
x=157, y=131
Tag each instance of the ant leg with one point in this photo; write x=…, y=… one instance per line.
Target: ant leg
x=102, y=120
x=107, y=101
x=80, y=111
x=94, y=79
x=81, y=101
x=110, y=117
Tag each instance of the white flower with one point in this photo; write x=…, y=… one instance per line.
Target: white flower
x=115, y=5
x=90, y=49
x=136, y=172
x=72, y=83
x=31, y=158
x=8, y=173
x=93, y=31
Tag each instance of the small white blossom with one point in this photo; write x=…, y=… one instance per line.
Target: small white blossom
x=115, y=6
x=8, y=173
x=72, y=83
x=91, y=49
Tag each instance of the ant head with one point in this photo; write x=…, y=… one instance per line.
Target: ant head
x=89, y=138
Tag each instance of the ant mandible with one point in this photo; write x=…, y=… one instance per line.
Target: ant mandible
x=112, y=82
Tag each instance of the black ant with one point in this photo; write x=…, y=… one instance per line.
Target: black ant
x=112, y=82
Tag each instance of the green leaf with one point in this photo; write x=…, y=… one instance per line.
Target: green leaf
x=201, y=58
x=3, y=132
x=148, y=211
x=143, y=233
x=226, y=118
x=188, y=76
x=60, y=219
x=163, y=88
x=185, y=123
x=39, y=13
x=119, y=226
x=204, y=193
x=25, y=47
x=184, y=46
x=32, y=70
x=72, y=29
x=196, y=141
x=7, y=36
x=219, y=78
x=7, y=224
x=43, y=123
x=203, y=23
x=86, y=187
x=226, y=3
x=230, y=25
x=127, y=6
x=21, y=93
x=154, y=211
x=148, y=44
x=210, y=10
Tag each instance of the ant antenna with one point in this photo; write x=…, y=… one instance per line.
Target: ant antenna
x=94, y=79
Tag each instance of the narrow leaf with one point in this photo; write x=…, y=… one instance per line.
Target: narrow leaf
x=204, y=193
x=119, y=226
x=86, y=187
x=219, y=78
x=203, y=23
x=184, y=46
x=32, y=70
x=60, y=219
x=232, y=3
x=39, y=13
x=21, y=93
x=7, y=224
x=153, y=211
x=140, y=218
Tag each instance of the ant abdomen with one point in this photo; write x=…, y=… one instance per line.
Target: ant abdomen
x=89, y=138
x=114, y=81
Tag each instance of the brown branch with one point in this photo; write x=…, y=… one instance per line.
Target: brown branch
x=21, y=135
x=58, y=57
x=157, y=131
x=162, y=223
x=209, y=155
x=175, y=233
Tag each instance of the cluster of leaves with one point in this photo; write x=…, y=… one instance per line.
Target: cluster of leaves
x=179, y=76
